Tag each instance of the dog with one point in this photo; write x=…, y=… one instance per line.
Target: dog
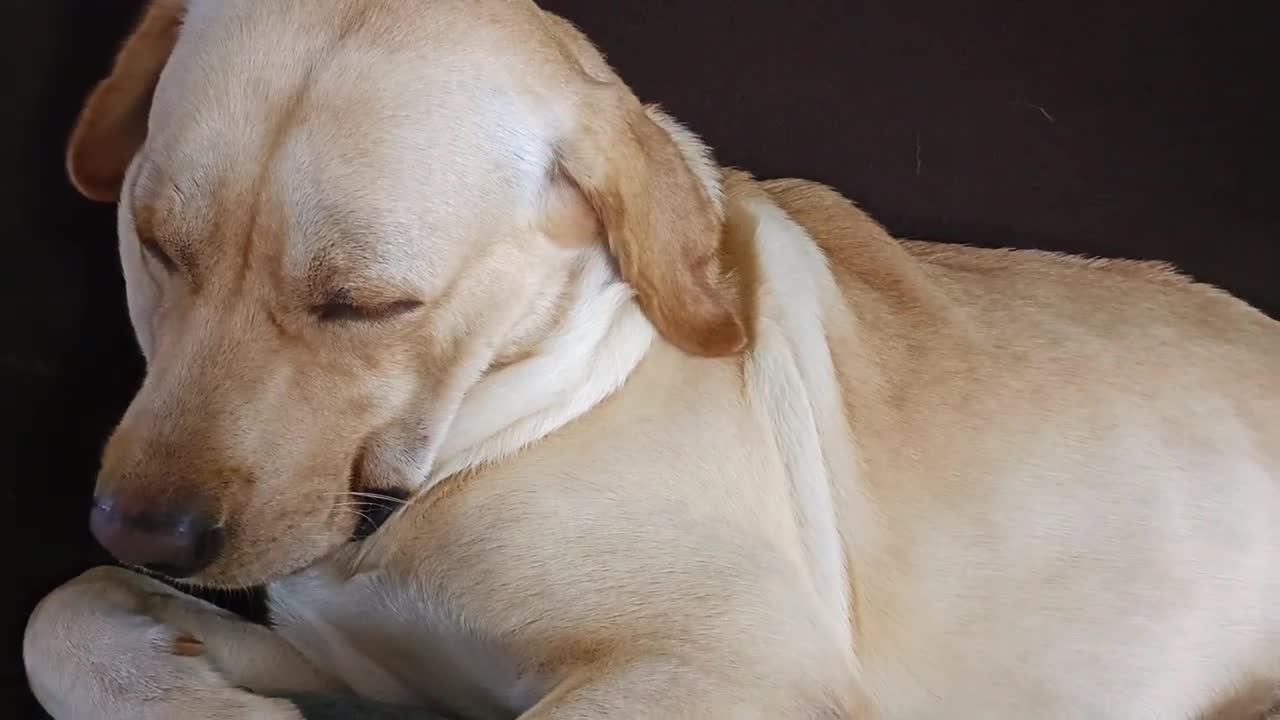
x=522, y=405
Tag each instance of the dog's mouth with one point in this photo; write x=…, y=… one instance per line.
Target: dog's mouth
x=373, y=505
x=374, y=509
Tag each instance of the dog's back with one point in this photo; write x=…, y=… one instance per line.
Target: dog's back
x=1077, y=464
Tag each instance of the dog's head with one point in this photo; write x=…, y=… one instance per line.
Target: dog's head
x=334, y=219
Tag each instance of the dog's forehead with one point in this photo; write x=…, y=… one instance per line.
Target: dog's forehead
x=357, y=121
x=431, y=46
x=445, y=71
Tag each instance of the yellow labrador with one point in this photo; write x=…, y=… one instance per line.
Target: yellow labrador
x=623, y=433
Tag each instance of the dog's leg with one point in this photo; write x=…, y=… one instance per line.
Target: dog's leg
x=248, y=655
x=93, y=649
x=666, y=689
x=349, y=707
x=113, y=644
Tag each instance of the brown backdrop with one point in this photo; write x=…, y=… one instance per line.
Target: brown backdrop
x=1138, y=128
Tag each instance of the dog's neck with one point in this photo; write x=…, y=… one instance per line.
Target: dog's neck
x=602, y=339
x=590, y=354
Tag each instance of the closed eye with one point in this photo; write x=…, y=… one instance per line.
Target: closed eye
x=152, y=248
x=346, y=311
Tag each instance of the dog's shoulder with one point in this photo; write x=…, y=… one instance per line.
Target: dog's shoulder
x=987, y=308
x=868, y=264
x=912, y=273
x=855, y=243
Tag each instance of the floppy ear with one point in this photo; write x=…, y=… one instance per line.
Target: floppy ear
x=113, y=123
x=664, y=228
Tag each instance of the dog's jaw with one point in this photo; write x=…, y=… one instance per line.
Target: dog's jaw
x=603, y=338
x=587, y=358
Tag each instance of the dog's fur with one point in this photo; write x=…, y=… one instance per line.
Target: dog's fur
x=678, y=443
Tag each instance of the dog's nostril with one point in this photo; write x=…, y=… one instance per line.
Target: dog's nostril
x=176, y=544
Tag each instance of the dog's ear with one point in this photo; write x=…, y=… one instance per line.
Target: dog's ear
x=663, y=223
x=113, y=123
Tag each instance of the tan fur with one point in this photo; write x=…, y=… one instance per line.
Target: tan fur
x=112, y=125
x=661, y=224
x=681, y=443
x=115, y=644
x=662, y=228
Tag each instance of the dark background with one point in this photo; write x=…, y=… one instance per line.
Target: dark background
x=1139, y=128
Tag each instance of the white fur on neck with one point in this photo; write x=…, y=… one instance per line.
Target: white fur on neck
x=793, y=382
x=589, y=357
x=603, y=340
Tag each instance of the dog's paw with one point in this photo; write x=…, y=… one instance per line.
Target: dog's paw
x=246, y=654
x=94, y=648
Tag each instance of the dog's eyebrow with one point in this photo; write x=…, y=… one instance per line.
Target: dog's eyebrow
x=153, y=206
x=160, y=243
x=345, y=277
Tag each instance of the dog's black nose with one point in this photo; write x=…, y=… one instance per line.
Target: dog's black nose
x=173, y=543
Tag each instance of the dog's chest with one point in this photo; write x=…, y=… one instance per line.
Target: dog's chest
x=395, y=646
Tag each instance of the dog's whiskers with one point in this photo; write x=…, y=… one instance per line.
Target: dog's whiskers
x=372, y=496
